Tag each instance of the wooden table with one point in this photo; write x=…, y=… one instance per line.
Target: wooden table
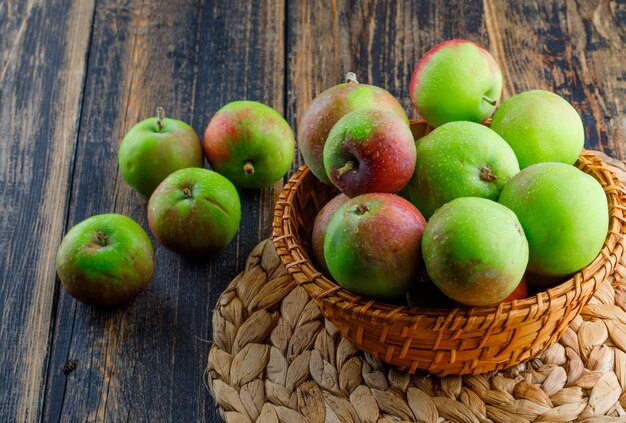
x=75, y=76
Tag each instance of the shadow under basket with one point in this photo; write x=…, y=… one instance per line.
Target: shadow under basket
x=460, y=341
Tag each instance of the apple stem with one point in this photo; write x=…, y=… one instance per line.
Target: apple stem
x=248, y=168
x=160, y=116
x=361, y=208
x=489, y=100
x=346, y=168
x=187, y=192
x=486, y=175
x=351, y=78
x=101, y=238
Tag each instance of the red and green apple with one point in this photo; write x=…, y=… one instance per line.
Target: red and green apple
x=475, y=251
x=156, y=147
x=372, y=245
x=194, y=211
x=105, y=260
x=249, y=143
x=369, y=150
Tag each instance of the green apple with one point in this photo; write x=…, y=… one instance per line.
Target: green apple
x=540, y=126
x=331, y=105
x=456, y=80
x=564, y=214
x=105, y=260
x=194, y=211
x=475, y=251
x=460, y=159
x=156, y=147
x=372, y=245
x=249, y=143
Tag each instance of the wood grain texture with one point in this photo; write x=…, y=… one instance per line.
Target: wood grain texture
x=58, y=156
x=40, y=93
x=574, y=48
x=146, y=360
x=381, y=41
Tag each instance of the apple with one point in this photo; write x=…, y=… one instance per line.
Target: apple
x=319, y=228
x=475, y=251
x=518, y=293
x=460, y=159
x=105, y=260
x=369, y=150
x=330, y=106
x=194, y=211
x=564, y=214
x=156, y=147
x=249, y=143
x=372, y=245
x=540, y=126
x=454, y=81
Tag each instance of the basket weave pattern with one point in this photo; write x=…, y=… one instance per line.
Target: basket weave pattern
x=444, y=341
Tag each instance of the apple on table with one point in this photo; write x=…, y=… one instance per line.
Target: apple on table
x=249, y=143
x=105, y=260
x=156, y=147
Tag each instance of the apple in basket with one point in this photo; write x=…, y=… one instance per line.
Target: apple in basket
x=541, y=127
x=372, y=245
x=460, y=159
x=319, y=228
x=330, y=106
x=370, y=151
x=564, y=214
x=475, y=251
x=456, y=80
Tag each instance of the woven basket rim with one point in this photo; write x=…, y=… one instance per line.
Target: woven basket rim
x=326, y=291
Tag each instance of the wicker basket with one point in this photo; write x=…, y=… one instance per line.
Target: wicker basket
x=468, y=340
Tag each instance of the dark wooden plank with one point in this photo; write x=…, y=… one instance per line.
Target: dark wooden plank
x=145, y=361
x=574, y=48
x=381, y=41
x=41, y=78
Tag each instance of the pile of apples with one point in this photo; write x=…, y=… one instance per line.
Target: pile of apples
x=108, y=259
x=482, y=209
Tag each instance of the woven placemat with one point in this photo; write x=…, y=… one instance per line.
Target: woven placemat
x=276, y=359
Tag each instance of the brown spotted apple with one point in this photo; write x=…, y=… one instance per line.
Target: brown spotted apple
x=194, y=211
x=105, y=260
